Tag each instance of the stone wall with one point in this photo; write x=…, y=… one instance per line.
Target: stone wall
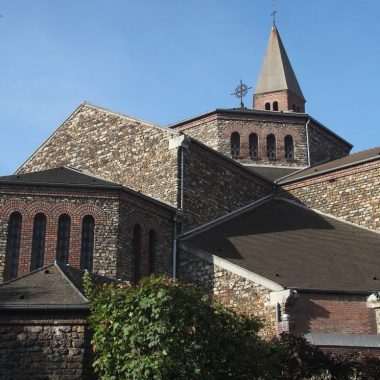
x=115, y=147
x=115, y=213
x=231, y=290
x=213, y=186
x=334, y=313
x=324, y=146
x=352, y=193
x=36, y=346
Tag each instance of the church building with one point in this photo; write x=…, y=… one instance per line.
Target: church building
x=262, y=207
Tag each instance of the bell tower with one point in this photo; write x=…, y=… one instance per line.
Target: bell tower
x=277, y=88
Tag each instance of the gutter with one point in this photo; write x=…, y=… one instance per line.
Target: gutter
x=336, y=168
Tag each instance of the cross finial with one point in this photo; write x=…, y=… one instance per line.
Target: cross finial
x=273, y=14
x=240, y=91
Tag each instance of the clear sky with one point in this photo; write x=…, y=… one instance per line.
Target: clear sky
x=164, y=61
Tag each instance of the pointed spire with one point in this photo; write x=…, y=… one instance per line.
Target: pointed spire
x=277, y=75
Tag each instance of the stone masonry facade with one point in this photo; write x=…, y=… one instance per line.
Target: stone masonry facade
x=40, y=346
x=351, y=193
x=214, y=186
x=215, y=130
x=231, y=290
x=115, y=214
x=115, y=147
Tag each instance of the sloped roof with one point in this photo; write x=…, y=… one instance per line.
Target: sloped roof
x=58, y=176
x=276, y=72
x=53, y=286
x=270, y=172
x=295, y=247
x=334, y=165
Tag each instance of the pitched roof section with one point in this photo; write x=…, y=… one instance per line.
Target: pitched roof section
x=276, y=72
x=295, y=247
x=335, y=165
x=270, y=172
x=58, y=176
x=53, y=286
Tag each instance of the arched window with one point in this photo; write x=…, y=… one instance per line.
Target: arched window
x=235, y=144
x=275, y=106
x=13, y=246
x=267, y=106
x=298, y=109
x=152, y=251
x=289, y=147
x=63, y=239
x=87, y=246
x=136, y=252
x=253, y=145
x=294, y=107
x=271, y=147
x=38, y=242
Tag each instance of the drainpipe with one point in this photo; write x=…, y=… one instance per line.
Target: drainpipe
x=307, y=142
x=178, y=144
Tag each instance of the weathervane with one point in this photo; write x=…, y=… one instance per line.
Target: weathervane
x=240, y=92
x=273, y=14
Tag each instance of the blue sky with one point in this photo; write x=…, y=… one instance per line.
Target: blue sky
x=164, y=61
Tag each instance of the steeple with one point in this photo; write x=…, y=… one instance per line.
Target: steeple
x=277, y=88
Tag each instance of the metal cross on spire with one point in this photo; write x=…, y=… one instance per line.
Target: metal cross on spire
x=241, y=91
x=275, y=11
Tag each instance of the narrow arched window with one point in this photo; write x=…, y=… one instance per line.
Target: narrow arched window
x=63, y=239
x=13, y=246
x=271, y=147
x=298, y=109
x=294, y=107
x=267, y=106
x=253, y=145
x=38, y=242
x=136, y=252
x=289, y=147
x=87, y=246
x=275, y=106
x=152, y=251
x=235, y=144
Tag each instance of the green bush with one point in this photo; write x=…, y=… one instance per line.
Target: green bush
x=161, y=329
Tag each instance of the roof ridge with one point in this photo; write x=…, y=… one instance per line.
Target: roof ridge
x=223, y=218
x=70, y=282
x=27, y=274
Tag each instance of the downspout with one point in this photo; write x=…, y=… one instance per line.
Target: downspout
x=180, y=142
x=307, y=142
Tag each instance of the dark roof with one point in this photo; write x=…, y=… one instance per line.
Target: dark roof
x=58, y=176
x=350, y=160
x=295, y=247
x=53, y=286
x=271, y=173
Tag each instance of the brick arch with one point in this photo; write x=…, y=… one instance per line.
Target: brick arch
x=62, y=208
x=10, y=207
x=86, y=209
x=39, y=207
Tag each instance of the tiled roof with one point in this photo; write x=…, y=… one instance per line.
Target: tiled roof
x=54, y=285
x=350, y=160
x=58, y=176
x=295, y=247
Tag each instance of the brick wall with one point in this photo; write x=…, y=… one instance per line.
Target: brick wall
x=115, y=147
x=231, y=290
x=324, y=313
x=115, y=214
x=44, y=346
x=213, y=186
x=285, y=99
x=351, y=193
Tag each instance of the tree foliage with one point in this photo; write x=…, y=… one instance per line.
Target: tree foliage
x=163, y=329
